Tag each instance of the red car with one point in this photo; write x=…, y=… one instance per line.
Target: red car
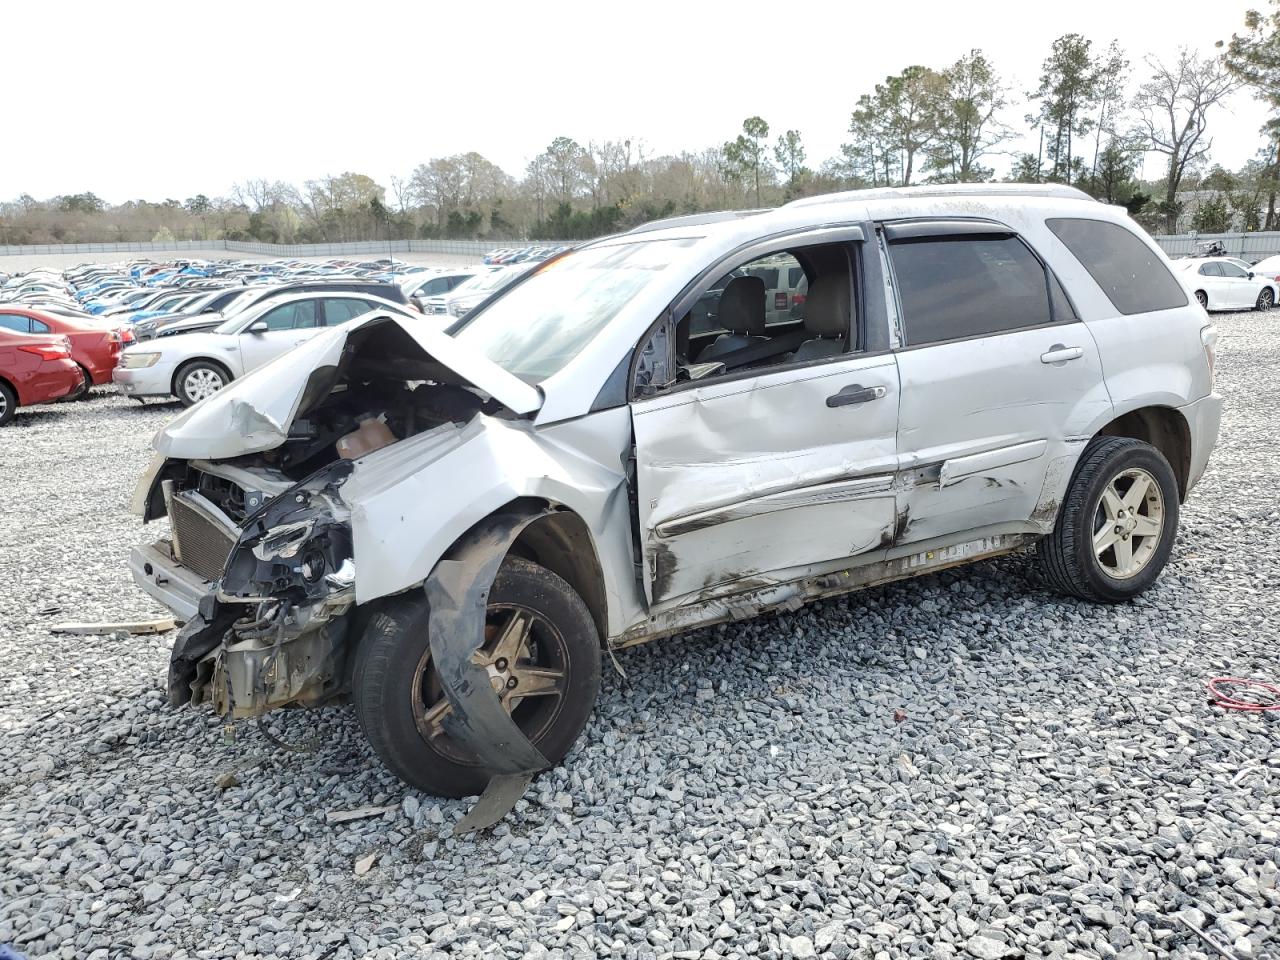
x=35, y=368
x=95, y=343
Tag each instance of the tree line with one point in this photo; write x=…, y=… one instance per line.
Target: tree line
x=1093, y=116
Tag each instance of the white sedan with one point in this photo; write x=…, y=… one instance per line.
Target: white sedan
x=195, y=365
x=1269, y=268
x=1220, y=283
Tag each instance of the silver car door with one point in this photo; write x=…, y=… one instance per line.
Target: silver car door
x=743, y=478
x=999, y=379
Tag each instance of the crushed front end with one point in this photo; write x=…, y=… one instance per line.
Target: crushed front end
x=261, y=570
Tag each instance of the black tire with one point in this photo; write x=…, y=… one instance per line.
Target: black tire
x=395, y=643
x=1266, y=300
x=8, y=403
x=1202, y=298
x=83, y=392
x=1067, y=555
x=207, y=369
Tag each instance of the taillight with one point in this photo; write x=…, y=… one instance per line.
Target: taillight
x=47, y=351
x=1209, y=337
x=780, y=300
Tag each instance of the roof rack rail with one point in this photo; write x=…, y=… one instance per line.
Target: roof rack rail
x=693, y=220
x=1059, y=190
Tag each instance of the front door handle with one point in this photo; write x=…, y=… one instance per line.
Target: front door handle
x=1061, y=353
x=855, y=393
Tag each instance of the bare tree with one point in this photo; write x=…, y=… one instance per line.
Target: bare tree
x=1173, y=108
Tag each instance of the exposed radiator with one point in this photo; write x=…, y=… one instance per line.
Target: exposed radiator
x=200, y=543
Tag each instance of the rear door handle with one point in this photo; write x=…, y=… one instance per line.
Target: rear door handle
x=1061, y=353
x=855, y=393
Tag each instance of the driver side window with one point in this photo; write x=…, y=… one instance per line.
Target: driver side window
x=792, y=305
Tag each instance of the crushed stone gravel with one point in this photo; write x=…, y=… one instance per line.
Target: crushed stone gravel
x=964, y=765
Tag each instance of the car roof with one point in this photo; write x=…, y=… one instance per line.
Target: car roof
x=1023, y=207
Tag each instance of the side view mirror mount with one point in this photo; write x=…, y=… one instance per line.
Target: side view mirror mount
x=259, y=326
x=656, y=365
x=1250, y=274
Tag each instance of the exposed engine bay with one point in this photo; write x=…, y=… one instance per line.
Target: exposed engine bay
x=269, y=532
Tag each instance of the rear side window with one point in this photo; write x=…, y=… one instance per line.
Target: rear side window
x=340, y=311
x=1134, y=278
x=1210, y=270
x=12, y=321
x=291, y=316
x=957, y=287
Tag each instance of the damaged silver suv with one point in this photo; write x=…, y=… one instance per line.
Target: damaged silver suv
x=448, y=529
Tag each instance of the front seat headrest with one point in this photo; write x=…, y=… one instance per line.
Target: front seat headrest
x=741, y=307
x=826, y=311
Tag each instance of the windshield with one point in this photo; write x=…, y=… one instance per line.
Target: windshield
x=542, y=324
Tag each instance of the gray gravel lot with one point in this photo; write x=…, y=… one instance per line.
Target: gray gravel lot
x=961, y=765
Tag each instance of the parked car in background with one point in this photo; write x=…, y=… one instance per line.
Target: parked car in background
x=35, y=368
x=422, y=286
x=196, y=365
x=95, y=343
x=249, y=297
x=1220, y=284
x=1268, y=267
x=467, y=295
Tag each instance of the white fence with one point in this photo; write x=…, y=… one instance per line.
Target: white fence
x=1247, y=246
x=1250, y=246
x=364, y=248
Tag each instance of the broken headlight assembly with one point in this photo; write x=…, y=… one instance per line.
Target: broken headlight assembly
x=296, y=547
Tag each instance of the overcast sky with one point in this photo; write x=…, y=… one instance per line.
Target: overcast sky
x=156, y=100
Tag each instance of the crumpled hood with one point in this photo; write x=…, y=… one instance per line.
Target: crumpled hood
x=253, y=413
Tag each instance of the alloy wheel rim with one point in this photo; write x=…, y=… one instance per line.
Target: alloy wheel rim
x=4, y=405
x=1128, y=523
x=526, y=659
x=1266, y=298
x=202, y=383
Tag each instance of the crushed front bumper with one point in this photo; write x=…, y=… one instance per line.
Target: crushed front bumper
x=161, y=576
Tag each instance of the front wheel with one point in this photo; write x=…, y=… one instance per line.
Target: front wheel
x=1117, y=523
x=542, y=652
x=199, y=379
x=1202, y=298
x=8, y=403
x=1266, y=300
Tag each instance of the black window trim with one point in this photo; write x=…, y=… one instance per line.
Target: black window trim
x=958, y=228
x=852, y=236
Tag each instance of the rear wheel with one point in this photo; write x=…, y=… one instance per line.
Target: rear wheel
x=82, y=392
x=1117, y=524
x=199, y=379
x=1266, y=300
x=542, y=653
x=8, y=403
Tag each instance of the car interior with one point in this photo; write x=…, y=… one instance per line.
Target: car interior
x=786, y=307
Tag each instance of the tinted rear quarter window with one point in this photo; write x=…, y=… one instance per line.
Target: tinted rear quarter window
x=1131, y=274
